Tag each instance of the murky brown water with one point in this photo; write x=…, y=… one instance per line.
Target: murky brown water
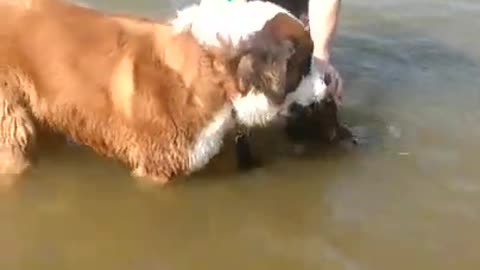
x=409, y=198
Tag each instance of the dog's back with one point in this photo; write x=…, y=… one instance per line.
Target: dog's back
x=67, y=52
x=120, y=84
x=71, y=66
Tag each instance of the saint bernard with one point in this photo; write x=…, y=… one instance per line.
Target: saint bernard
x=157, y=96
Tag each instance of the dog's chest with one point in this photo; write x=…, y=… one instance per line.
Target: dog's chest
x=210, y=140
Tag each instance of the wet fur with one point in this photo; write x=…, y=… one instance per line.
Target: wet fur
x=314, y=123
x=130, y=89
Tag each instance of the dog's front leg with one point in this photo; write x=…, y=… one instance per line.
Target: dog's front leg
x=245, y=159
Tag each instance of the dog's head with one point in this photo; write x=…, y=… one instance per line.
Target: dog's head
x=271, y=56
x=270, y=66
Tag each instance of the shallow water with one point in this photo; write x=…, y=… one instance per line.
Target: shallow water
x=408, y=198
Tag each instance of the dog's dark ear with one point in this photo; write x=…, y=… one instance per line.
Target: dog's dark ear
x=287, y=49
x=259, y=59
x=284, y=26
x=263, y=63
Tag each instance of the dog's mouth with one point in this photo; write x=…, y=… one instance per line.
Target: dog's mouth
x=316, y=123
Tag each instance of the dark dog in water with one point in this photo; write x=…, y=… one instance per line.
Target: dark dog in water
x=315, y=124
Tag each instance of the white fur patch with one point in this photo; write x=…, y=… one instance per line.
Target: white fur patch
x=312, y=88
x=251, y=110
x=233, y=21
x=255, y=109
x=210, y=139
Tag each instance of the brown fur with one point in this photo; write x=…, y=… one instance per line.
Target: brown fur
x=125, y=86
x=290, y=49
x=121, y=86
x=283, y=27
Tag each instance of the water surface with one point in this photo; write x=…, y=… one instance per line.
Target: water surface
x=408, y=198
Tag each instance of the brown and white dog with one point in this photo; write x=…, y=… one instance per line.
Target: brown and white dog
x=159, y=97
